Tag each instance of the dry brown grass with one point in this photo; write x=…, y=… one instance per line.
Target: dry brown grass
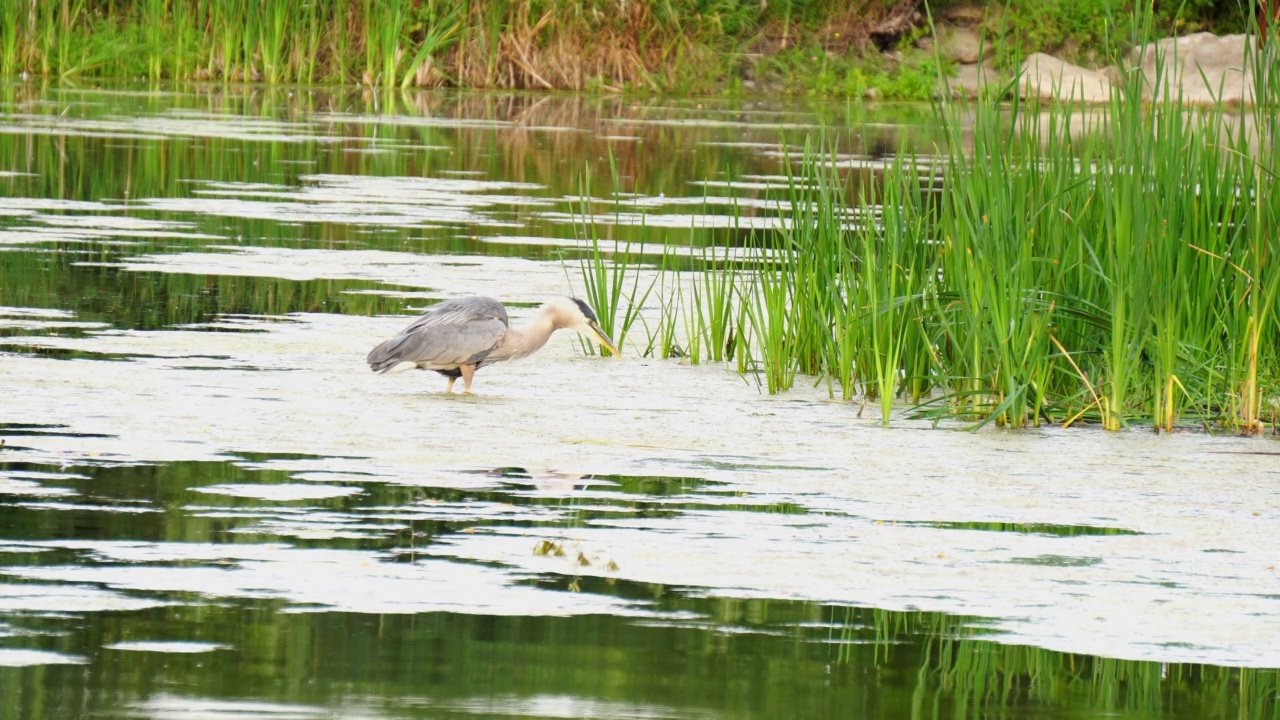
x=563, y=49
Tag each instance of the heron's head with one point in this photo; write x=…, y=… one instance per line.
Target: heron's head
x=576, y=315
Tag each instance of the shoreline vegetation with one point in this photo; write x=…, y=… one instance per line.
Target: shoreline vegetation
x=832, y=48
x=1054, y=264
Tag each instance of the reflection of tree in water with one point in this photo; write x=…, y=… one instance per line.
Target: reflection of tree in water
x=159, y=300
x=658, y=148
x=688, y=651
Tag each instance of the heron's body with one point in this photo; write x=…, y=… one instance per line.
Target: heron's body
x=457, y=337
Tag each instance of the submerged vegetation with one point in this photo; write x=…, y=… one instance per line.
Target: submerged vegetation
x=1114, y=266
x=826, y=47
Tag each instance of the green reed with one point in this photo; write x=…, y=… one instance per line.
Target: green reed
x=272, y=42
x=610, y=279
x=818, y=250
x=691, y=320
x=1112, y=265
x=442, y=27
x=1262, y=364
x=771, y=320
x=713, y=293
x=893, y=269
x=1095, y=274
x=276, y=42
x=662, y=341
x=10, y=47
x=710, y=315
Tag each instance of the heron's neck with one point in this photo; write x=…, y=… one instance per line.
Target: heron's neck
x=529, y=339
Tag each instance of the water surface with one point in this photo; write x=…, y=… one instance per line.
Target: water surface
x=210, y=507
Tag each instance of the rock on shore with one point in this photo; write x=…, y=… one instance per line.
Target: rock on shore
x=1202, y=68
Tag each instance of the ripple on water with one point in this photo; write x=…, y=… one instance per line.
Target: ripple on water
x=166, y=646
x=163, y=706
x=308, y=580
x=14, y=486
x=16, y=657
x=284, y=492
x=34, y=598
x=564, y=706
x=357, y=200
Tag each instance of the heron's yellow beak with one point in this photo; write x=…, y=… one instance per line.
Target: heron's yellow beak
x=595, y=333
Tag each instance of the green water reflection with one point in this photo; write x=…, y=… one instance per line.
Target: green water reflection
x=738, y=659
x=685, y=656
x=96, y=154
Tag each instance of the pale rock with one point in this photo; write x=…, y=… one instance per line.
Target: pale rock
x=970, y=80
x=1046, y=77
x=1202, y=67
x=963, y=45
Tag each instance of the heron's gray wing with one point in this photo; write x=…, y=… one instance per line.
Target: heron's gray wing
x=443, y=345
x=460, y=312
x=457, y=332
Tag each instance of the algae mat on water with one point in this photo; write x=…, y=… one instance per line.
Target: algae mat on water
x=1192, y=581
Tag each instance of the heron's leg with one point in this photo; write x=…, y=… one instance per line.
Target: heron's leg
x=449, y=388
x=468, y=372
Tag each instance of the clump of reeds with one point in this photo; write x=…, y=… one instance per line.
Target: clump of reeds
x=1114, y=266
x=609, y=275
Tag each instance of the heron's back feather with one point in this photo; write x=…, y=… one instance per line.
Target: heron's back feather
x=460, y=312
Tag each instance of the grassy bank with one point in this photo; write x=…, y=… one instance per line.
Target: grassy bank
x=547, y=44
x=1116, y=266
x=828, y=47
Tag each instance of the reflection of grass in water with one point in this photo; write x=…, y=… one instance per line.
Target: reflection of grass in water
x=719, y=657
x=45, y=430
x=152, y=301
x=1058, y=561
x=642, y=495
x=948, y=663
x=179, y=514
x=949, y=666
x=1024, y=528
x=657, y=485
x=109, y=170
x=977, y=676
x=182, y=515
x=56, y=353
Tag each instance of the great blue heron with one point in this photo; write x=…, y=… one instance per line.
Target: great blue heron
x=457, y=337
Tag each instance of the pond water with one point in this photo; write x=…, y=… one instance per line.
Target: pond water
x=210, y=508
